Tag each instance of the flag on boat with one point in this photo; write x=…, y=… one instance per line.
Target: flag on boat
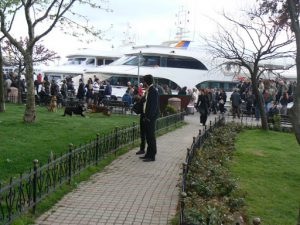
x=182, y=44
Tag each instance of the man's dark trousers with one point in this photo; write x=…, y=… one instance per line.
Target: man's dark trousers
x=142, y=133
x=150, y=137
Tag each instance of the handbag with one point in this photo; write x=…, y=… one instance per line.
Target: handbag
x=137, y=107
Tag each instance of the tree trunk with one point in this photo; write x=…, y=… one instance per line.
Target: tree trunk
x=294, y=113
x=2, y=100
x=30, y=110
x=263, y=115
x=19, y=86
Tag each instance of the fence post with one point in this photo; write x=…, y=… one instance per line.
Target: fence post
x=183, y=193
x=194, y=144
x=34, y=188
x=187, y=161
x=299, y=217
x=133, y=133
x=97, y=148
x=70, y=162
x=116, y=140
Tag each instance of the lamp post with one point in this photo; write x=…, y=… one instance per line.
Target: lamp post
x=139, y=60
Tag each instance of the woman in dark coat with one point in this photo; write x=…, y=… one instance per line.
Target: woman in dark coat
x=202, y=106
x=81, y=90
x=222, y=100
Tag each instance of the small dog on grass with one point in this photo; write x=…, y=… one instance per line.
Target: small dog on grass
x=99, y=109
x=53, y=104
x=77, y=110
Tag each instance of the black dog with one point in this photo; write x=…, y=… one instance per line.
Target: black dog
x=78, y=110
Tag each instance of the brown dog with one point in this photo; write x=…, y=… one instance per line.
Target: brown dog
x=99, y=109
x=53, y=104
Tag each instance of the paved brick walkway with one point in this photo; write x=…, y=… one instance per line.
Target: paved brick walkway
x=130, y=191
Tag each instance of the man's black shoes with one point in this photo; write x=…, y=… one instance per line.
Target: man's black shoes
x=140, y=152
x=149, y=160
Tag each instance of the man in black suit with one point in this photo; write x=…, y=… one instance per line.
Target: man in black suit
x=150, y=114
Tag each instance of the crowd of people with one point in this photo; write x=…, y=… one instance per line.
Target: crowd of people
x=94, y=91
x=13, y=86
x=274, y=94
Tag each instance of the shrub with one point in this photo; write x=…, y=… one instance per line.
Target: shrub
x=212, y=194
x=170, y=110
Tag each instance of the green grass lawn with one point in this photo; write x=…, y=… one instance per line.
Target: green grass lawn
x=20, y=143
x=268, y=167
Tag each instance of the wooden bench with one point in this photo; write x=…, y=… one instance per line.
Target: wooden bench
x=285, y=121
x=117, y=106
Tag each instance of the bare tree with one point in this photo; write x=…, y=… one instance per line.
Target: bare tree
x=40, y=16
x=285, y=13
x=251, y=45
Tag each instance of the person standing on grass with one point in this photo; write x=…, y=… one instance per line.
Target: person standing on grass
x=96, y=88
x=81, y=90
x=151, y=113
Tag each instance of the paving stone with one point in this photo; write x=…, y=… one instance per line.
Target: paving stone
x=130, y=191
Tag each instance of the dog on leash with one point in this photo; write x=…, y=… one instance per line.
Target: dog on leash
x=53, y=104
x=77, y=110
x=99, y=109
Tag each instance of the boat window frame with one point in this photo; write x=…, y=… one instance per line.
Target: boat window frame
x=184, y=61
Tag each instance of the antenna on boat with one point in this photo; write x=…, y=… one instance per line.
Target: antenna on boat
x=129, y=36
x=182, y=23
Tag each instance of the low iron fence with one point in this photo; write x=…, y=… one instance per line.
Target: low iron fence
x=196, y=145
x=24, y=193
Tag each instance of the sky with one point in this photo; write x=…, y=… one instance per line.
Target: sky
x=146, y=22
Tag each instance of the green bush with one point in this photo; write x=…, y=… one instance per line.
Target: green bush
x=170, y=110
x=276, y=119
x=212, y=194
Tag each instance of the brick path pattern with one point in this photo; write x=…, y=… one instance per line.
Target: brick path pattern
x=130, y=191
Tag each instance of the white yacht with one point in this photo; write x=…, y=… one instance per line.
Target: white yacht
x=79, y=61
x=178, y=66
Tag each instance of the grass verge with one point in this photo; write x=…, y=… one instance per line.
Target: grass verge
x=268, y=167
x=22, y=143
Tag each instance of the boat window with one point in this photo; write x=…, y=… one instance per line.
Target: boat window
x=151, y=61
x=187, y=63
x=123, y=59
x=134, y=61
x=76, y=61
x=121, y=80
x=100, y=62
x=144, y=61
x=90, y=62
x=227, y=86
x=108, y=61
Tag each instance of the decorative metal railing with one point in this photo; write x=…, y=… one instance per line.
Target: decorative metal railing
x=24, y=193
x=196, y=145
